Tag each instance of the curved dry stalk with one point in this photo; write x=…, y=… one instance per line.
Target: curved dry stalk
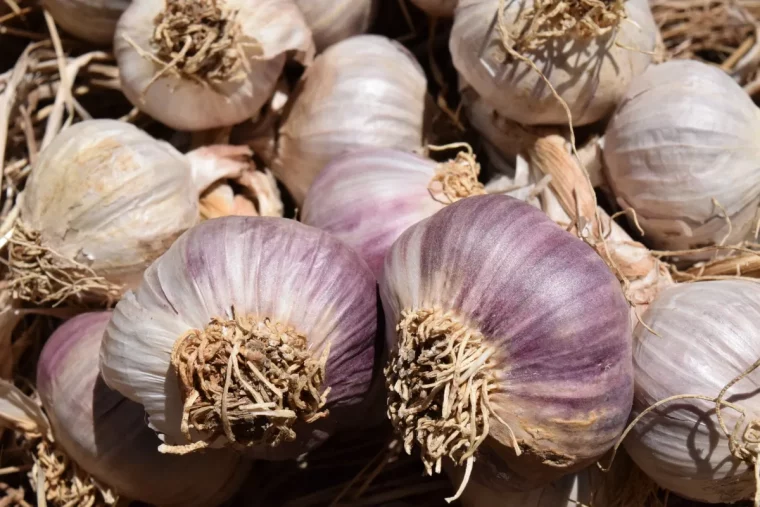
x=246, y=381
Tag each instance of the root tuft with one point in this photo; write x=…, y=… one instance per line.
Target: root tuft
x=247, y=380
x=456, y=179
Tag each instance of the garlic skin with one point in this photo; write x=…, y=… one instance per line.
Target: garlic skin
x=271, y=268
x=269, y=31
x=438, y=8
x=590, y=75
x=106, y=194
x=366, y=91
x=684, y=135
x=701, y=347
x=90, y=20
x=531, y=294
x=369, y=197
x=106, y=435
x=331, y=21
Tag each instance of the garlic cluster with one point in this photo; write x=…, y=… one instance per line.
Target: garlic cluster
x=682, y=151
x=200, y=64
x=91, y=20
x=590, y=71
x=103, y=200
x=702, y=443
x=441, y=8
x=332, y=21
x=366, y=91
x=272, y=321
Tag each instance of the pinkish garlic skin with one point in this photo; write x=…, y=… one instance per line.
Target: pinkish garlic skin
x=369, y=197
x=106, y=434
x=552, y=310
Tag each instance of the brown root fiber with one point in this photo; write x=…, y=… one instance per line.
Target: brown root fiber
x=42, y=276
x=200, y=40
x=439, y=381
x=456, y=179
x=247, y=380
x=547, y=20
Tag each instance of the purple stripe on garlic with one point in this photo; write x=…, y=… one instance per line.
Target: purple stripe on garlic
x=497, y=280
x=262, y=277
x=105, y=434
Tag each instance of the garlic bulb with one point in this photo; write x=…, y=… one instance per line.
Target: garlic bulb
x=91, y=20
x=368, y=198
x=590, y=72
x=332, y=21
x=219, y=73
x=103, y=200
x=285, y=317
x=366, y=91
x=106, y=434
x=701, y=348
x=681, y=150
x=440, y=8
x=525, y=333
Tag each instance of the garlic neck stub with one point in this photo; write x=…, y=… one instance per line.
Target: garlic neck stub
x=331, y=21
x=90, y=20
x=367, y=198
x=508, y=331
x=103, y=200
x=251, y=333
x=255, y=370
x=681, y=151
x=201, y=64
x=364, y=92
x=99, y=432
x=703, y=358
x=590, y=64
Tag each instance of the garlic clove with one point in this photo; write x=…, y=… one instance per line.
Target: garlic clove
x=331, y=21
x=191, y=94
x=90, y=20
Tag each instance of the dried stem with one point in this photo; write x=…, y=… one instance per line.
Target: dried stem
x=41, y=275
x=247, y=381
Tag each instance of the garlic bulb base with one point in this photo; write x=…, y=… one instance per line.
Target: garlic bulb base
x=40, y=275
x=436, y=349
x=258, y=371
x=456, y=179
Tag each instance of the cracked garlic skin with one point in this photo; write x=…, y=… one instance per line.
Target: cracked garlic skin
x=364, y=92
x=106, y=434
x=331, y=21
x=90, y=20
x=541, y=331
x=214, y=85
x=589, y=73
x=107, y=195
x=681, y=151
x=282, y=315
x=700, y=347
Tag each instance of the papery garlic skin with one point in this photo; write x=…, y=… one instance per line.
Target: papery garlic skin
x=369, y=197
x=90, y=20
x=366, y=91
x=550, y=312
x=331, y=21
x=270, y=29
x=106, y=434
x=590, y=75
x=107, y=195
x=681, y=149
x=268, y=267
x=439, y=8
x=707, y=337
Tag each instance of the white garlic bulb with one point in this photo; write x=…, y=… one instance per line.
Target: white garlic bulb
x=707, y=336
x=332, y=21
x=218, y=74
x=442, y=8
x=103, y=200
x=590, y=74
x=366, y=91
x=91, y=20
x=682, y=151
